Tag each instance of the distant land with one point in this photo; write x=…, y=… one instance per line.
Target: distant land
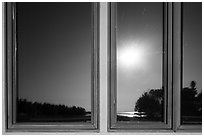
x=28, y=111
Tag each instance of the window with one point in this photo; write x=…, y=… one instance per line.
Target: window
x=138, y=80
x=54, y=77
x=191, y=93
x=145, y=69
x=150, y=67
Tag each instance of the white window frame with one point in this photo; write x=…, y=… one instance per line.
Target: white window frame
x=105, y=118
x=11, y=83
x=172, y=75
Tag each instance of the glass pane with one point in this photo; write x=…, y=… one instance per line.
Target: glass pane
x=191, y=95
x=54, y=42
x=140, y=95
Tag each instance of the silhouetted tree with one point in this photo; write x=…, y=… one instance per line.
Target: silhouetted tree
x=151, y=103
x=199, y=103
x=191, y=101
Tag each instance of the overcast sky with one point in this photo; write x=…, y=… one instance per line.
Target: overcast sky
x=140, y=31
x=54, y=48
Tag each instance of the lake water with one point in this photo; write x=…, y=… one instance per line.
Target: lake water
x=132, y=114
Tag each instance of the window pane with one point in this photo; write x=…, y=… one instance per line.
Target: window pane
x=191, y=95
x=54, y=42
x=140, y=95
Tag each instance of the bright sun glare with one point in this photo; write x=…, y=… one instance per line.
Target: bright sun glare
x=131, y=57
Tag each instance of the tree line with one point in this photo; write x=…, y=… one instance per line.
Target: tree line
x=152, y=102
x=33, y=109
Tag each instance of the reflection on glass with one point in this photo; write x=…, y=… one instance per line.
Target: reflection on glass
x=191, y=94
x=54, y=62
x=140, y=95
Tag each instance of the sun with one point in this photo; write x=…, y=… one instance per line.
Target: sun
x=131, y=56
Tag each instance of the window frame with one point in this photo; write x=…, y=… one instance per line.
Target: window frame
x=172, y=29
x=172, y=74
x=147, y=126
x=177, y=57
x=11, y=83
x=179, y=52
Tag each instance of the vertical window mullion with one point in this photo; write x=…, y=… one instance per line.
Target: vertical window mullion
x=104, y=24
x=112, y=56
x=176, y=41
x=9, y=64
x=169, y=60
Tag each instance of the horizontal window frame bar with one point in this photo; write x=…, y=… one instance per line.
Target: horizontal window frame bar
x=140, y=125
x=51, y=127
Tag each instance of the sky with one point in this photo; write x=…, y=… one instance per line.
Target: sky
x=54, y=53
x=192, y=44
x=139, y=50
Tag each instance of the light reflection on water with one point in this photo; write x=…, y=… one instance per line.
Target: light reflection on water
x=132, y=114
